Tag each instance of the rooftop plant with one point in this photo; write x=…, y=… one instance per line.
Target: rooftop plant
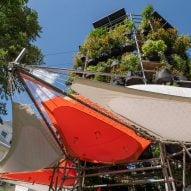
x=146, y=16
x=154, y=47
x=129, y=62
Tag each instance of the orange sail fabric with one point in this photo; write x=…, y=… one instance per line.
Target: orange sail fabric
x=87, y=134
x=91, y=136
x=44, y=176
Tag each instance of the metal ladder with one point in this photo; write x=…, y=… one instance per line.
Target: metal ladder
x=136, y=20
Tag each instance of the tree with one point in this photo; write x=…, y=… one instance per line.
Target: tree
x=19, y=28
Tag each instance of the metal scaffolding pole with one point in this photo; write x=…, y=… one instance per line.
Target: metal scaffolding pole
x=184, y=170
x=170, y=172
x=164, y=167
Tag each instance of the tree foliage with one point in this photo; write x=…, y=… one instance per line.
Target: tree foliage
x=19, y=28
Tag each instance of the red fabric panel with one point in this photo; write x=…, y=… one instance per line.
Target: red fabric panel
x=91, y=136
x=42, y=176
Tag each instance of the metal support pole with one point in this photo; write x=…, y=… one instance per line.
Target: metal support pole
x=184, y=170
x=64, y=176
x=54, y=178
x=187, y=151
x=40, y=112
x=83, y=175
x=170, y=172
x=10, y=69
x=130, y=183
x=85, y=66
x=164, y=168
x=20, y=56
x=80, y=188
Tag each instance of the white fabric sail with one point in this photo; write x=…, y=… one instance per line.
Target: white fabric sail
x=163, y=111
x=32, y=146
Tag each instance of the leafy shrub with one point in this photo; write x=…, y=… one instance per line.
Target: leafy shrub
x=154, y=47
x=91, y=68
x=179, y=64
x=78, y=62
x=147, y=11
x=146, y=16
x=129, y=63
x=102, y=40
x=182, y=44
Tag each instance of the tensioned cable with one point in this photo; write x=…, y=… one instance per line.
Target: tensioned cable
x=39, y=102
x=39, y=70
x=23, y=98
x=39, y=110
x=38, y=97
x=48, y=119
x=61, y=70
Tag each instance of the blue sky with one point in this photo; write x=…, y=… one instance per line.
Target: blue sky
x=66, y=23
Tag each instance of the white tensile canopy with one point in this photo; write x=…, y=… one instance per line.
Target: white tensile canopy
x=163, y=111
x=32, y=146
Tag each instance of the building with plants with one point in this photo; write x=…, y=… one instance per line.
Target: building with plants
x=128, y=49
x=139, y=48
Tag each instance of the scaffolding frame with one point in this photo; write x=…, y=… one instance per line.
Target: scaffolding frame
x=168, y=179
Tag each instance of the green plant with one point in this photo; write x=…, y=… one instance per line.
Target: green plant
x=78, y=62
x=129, y=62
x=96, y=42
x=154, y=47
x=189, y=70
x=102, y=40
x=179, y=64
x=102, y=67
x=182, y=44
x=147, y=11
x=169, y=36
x=91, y=68
x=164, y=64
x=146, y=16
x=70, y=91
x=155, y=150
x=117, y=36
x=19, y=27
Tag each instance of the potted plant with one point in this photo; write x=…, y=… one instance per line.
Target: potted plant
x=154, y=49
x=164, y=74
x=182, y=44
x=169, y=36
x=102, y=67
x=128, y=46
x=120, y=37
x=179, y=65
x=78, y=61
